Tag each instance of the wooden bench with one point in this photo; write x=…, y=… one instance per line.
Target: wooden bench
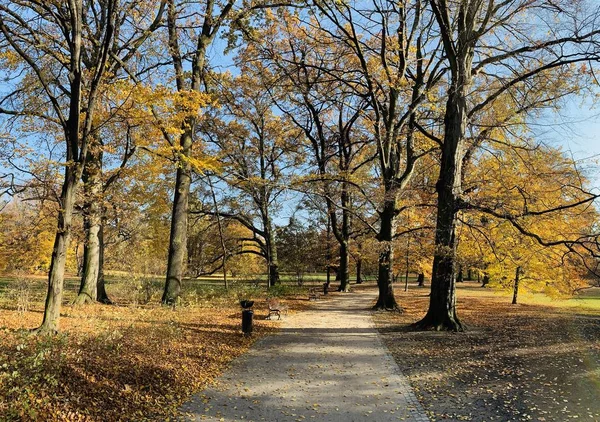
x=275, y=308
x=314, y=293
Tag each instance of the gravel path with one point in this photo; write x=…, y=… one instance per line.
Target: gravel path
x=326, y=364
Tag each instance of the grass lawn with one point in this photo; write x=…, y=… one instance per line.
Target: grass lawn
x=127, y=362
x=539, y=360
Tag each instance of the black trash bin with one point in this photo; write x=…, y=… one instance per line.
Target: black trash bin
x=247, y=315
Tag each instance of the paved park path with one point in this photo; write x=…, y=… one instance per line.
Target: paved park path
x=326, y=364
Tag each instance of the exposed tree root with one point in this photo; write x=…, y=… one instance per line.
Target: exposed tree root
x=388, y=307
x=83, y=299
x=438, y=323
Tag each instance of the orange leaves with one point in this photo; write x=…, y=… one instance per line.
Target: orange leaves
x=157, y=106
x=114, y=363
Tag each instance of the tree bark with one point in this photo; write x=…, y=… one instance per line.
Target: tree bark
x=75, y=158
x=359, y=279
x=343, y=271
x=179, y=224
x=516, y=287
x=328, y=254
x=441, y=314
x=272, y=261
x=92, y=217
x=56, y=276
x=101, y=294
x=386, y=299
x=459, y=277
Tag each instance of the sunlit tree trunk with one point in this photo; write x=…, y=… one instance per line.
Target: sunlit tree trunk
x=179, y=225
x=56, y=276
x=101, y=294
x=92, y=215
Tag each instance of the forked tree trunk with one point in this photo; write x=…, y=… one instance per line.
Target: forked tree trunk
x=516, y=286
x=179, y=225
x=92, y=220
x=385, y=276
x=56, y=274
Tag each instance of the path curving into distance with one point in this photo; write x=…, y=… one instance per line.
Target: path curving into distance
x=325, y=364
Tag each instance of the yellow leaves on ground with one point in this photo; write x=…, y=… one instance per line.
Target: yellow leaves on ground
x=114, y=363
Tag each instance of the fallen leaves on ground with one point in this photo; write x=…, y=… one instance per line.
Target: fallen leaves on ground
x=514, y=362
x=112, y=363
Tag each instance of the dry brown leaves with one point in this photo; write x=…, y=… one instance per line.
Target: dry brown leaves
x=115, y=363
x=514, y=362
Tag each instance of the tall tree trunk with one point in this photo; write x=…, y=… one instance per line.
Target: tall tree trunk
x=516, y=287
x=421, y=280
x=272, y=261
x=56, y=276
x=441, y=314
x=459, y=277
x=101, y=294
x=359, y=279
x=328, y=253
x=179, y=224
x=386, y=299
x=344, y=271
x=74, y=141
x=92, y=210
x=407, y=263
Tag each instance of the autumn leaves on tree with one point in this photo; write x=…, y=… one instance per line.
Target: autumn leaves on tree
x=407, y=124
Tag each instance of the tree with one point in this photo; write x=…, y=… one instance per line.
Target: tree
x=318, y=110
x=192, y=29
x=383, y=47
x=301, y=248
x=51, y=56
x=540, y=178
x=544, y=39
x=111, y=123
x=258, y=152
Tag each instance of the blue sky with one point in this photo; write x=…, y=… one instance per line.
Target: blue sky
x=576, y=129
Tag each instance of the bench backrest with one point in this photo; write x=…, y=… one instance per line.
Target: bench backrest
x=272, y=303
